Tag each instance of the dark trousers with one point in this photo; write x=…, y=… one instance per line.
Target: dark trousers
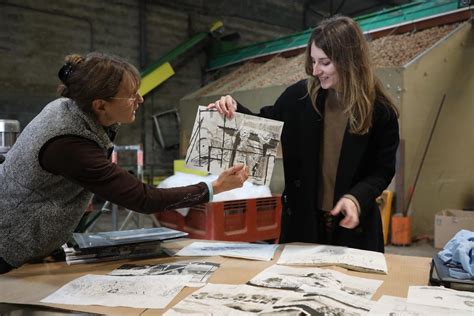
x=4, y=266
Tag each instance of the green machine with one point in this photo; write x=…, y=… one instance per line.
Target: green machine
x=162, y=69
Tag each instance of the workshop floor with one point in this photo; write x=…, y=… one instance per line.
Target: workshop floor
x=422, y=248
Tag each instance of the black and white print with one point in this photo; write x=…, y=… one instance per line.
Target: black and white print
x=218, y=143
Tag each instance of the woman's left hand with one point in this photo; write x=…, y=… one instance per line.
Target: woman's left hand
x=349, y=209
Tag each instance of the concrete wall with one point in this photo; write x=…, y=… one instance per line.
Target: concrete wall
x=446, y=178
x=36, y=35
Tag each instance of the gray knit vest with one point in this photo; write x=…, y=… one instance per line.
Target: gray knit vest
x=40, y=210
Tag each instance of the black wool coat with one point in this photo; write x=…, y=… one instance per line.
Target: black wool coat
x=366, y=167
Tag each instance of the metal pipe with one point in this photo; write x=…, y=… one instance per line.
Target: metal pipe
x=143, y=44
x=412, y=188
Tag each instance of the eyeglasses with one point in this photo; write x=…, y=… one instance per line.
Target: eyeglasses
x=131, y=99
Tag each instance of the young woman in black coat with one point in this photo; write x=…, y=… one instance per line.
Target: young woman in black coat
x=339, y=141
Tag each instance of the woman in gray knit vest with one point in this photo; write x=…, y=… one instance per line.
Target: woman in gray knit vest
x=62, y=157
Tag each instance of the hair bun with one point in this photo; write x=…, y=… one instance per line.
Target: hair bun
x=65, y=71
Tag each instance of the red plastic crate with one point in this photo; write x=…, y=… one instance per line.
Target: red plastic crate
x=239, y=220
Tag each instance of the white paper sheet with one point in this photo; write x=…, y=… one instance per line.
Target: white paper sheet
x=155, y=291
x=442, y=297
x=349, y=289
x=353, y=259
x=200, y=271
x=224, y=299
x=218, y=143
x=397, y=306
x=250, y=251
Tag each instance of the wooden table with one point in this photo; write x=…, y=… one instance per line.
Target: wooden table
x=31, y=283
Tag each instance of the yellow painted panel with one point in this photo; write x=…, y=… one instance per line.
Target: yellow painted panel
x=155, y=78
x=180, y=166
x=216, y=25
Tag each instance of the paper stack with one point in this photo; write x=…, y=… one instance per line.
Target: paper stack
x=116, y=245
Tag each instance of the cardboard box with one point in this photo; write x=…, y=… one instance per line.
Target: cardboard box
x=449, y=222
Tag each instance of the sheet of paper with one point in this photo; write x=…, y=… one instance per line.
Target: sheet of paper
x=218, y=143
x=397, y=306
x=442, y=297
x=224, y=299
x=349, y=289
x=353, y=259
x=200, y=271
x=155, y=291
x=250, y=251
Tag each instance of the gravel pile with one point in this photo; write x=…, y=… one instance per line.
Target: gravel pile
x=282, y=72
x=388, y=51
x=222, y=84
x=398, y=50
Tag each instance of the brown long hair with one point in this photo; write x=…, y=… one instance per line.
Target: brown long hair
x=96, y=76
x=343, y=42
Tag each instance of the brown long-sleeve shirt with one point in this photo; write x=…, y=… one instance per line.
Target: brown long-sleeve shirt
x=84, y=162
x=335, y=121
x=333, y=136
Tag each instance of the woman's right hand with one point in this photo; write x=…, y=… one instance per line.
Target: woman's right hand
x=226, y=105
x=231, y=178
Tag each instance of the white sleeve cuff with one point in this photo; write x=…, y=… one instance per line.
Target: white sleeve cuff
x=211, y=191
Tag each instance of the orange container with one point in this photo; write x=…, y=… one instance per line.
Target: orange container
x=239, y=220
x=401, y=230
